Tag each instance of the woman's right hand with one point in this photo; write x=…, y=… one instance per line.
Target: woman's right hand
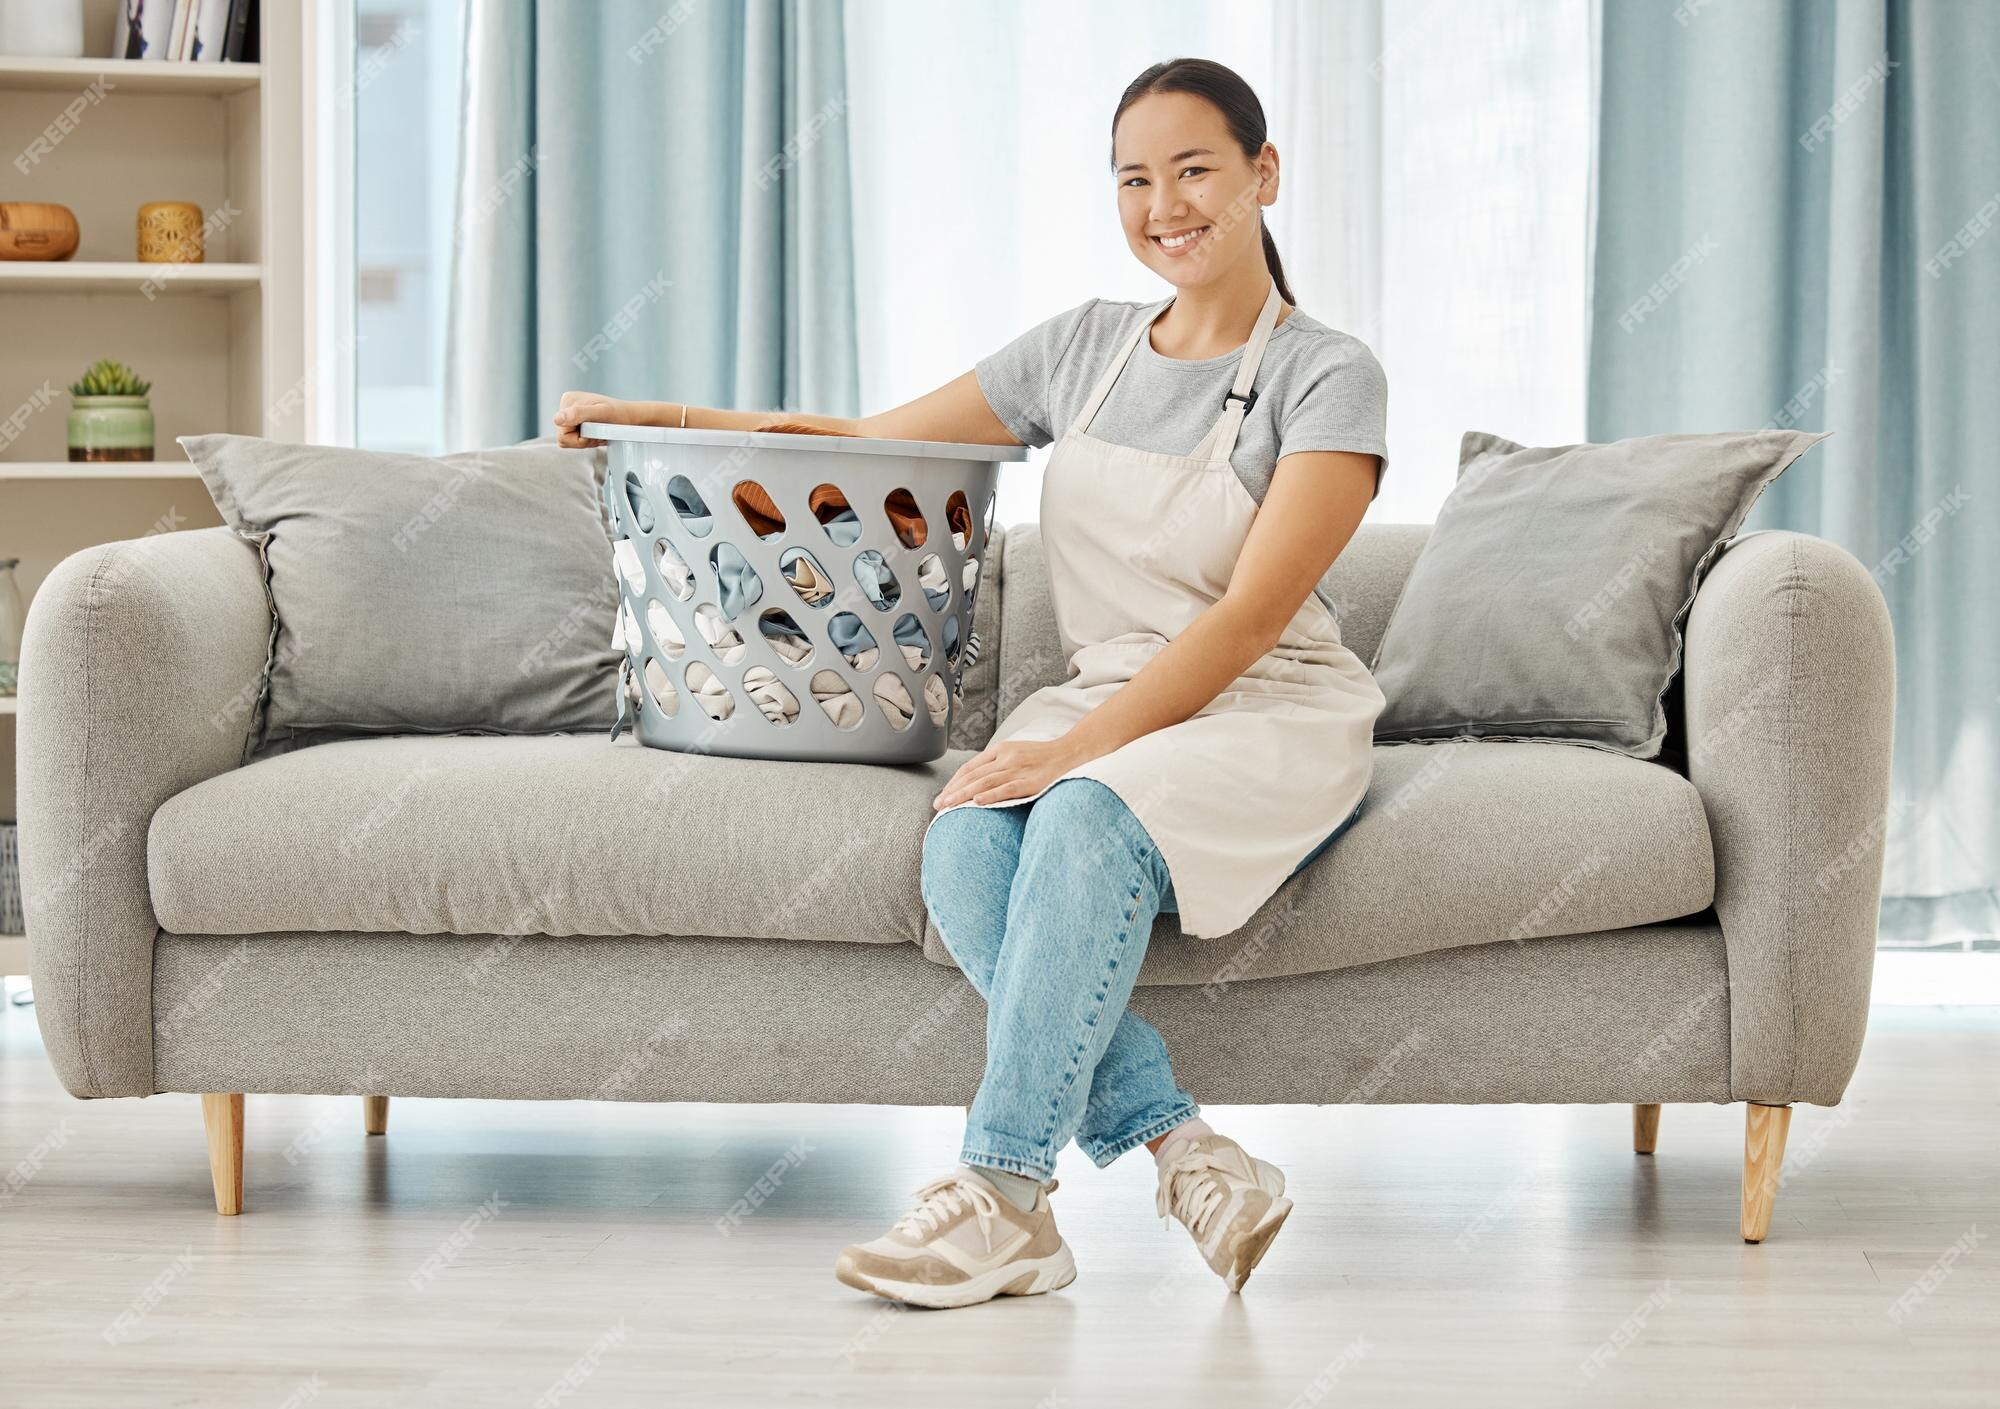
x=580, y=406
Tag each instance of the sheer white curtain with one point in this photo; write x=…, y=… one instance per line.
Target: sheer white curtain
x=1434, y=157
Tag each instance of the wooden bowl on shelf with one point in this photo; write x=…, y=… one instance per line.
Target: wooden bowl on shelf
x=34, y=230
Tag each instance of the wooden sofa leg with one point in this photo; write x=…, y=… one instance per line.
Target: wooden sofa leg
x=1645, y=1129
x=1764, y=1132
x=375, y=1114
x=222, y=1116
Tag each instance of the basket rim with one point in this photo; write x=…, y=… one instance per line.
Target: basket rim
x=839, y=444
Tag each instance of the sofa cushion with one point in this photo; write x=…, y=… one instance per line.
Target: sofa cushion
x=558, y=834
x=1550, y=600
x=493, y=566
x=1468, y=842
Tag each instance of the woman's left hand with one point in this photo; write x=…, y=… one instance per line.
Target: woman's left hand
x=1010, y=769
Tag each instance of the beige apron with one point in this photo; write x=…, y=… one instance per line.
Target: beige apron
x=1139, y=544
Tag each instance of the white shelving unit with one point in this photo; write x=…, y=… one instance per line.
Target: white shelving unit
x=223, y=342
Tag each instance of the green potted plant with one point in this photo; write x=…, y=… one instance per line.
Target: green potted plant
x=110, y=418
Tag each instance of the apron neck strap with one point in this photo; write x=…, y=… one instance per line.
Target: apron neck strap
x=1220, y=442
x=1114, y=367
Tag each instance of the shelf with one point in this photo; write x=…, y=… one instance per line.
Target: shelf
x=126, y=76
x=13, y=954
x=110, y=276
x=10, y=704
x=98, y=469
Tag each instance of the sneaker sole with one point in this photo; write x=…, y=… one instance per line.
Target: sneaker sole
x=1257, y=1242
x=1027, y=1277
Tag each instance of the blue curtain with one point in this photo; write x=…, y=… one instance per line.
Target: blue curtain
x=1798, y=223
x=653, y=202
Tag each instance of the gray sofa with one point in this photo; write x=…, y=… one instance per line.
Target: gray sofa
x=561, y=917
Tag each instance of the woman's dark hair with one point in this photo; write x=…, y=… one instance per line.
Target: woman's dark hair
x=1225, y=88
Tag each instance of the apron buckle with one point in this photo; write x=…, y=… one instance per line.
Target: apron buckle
x=1233, y=394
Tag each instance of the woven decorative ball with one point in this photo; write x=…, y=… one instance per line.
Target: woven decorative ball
x=170, y=233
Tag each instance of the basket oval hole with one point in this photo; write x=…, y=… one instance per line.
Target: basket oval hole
x=807, y=577
x=778, y=705
x=958, y=518
x=673, y=570
x=641, y=502
x=688, y=504
x=935, y=581
x=709, y=692
x=894, y=698
x=971, y=578
x=915, y=641
x=784, y=636
x=719, y=634
x=951, y=639
x=759, y=510
x=906, y=518
x=836, y=515
x=666, y=631
x=841, y=704
x=737, y=582
x=856, y=641
x=629, y=567
x=664, y=693
x=936, y=700
x=876, y=580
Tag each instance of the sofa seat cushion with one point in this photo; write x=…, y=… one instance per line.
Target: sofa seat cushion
x=1467, y=843
x=549, y=834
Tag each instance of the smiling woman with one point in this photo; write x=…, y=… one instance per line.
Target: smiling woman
x=1214, y=451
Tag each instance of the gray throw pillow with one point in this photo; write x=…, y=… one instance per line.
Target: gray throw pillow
x=1548, y=602
x=411, y=594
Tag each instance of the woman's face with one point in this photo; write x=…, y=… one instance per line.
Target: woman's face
x=1182, y=176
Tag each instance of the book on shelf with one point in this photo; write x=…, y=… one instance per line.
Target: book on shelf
x=191, y=31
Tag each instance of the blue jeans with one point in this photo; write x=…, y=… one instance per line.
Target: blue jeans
x=1047, y=907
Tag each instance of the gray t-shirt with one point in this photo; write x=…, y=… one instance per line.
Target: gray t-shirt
x=1317, y=389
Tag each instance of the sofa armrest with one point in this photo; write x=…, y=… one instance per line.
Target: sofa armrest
x=1790, y=702
x=139, y=675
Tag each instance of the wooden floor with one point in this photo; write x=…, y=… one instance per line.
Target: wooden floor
x=514, y=1254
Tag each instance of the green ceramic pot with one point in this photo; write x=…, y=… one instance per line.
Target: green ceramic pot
x=110, y=428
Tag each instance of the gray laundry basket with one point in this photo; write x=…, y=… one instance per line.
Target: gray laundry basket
x=836, y=630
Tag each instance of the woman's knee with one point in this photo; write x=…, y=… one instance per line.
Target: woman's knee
x=1083, y=825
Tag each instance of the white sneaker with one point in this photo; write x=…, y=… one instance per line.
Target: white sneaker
x=964, y=1242
x=1232, y=1203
